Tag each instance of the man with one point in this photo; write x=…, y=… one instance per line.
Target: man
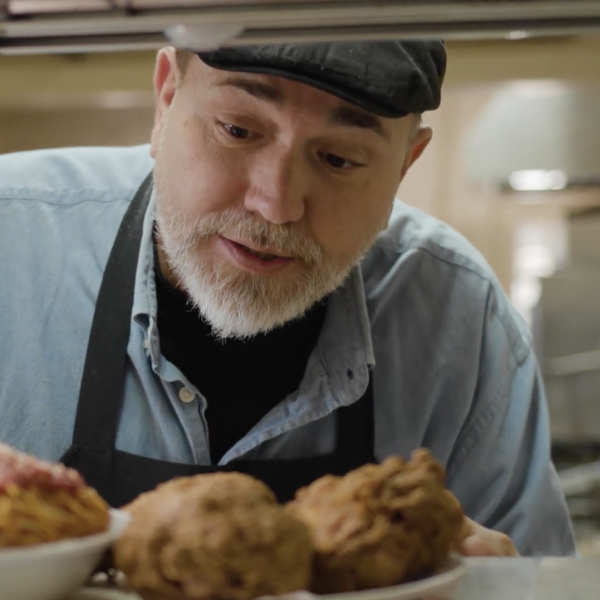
x=263, y=304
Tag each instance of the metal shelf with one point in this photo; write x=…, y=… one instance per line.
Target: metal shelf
x=38, y=26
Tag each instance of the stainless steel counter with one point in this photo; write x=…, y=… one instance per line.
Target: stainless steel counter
x=532, y=579
x=492, y=579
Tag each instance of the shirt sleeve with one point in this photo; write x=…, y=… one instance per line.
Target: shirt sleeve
x=501, y=469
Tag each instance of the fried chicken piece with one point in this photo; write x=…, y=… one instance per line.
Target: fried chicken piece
x=219, y=536
x=380, y=525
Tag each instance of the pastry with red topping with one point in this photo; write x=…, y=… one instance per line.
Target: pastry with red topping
x=45, y=502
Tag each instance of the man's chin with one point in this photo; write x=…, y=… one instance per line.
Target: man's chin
x=246, y=324
x=242, y=312
x=240, y=304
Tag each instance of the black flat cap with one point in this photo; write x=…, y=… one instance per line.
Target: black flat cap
x=389, y=78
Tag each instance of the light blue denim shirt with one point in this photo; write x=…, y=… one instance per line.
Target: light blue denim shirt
x=453, y=365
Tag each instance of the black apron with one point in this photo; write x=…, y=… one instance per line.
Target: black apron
x=120, y=476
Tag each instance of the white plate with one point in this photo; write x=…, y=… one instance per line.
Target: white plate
x=54, y=570
x=444, y=584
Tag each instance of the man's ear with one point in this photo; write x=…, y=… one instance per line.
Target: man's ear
x=166, y=78
x=417, y=148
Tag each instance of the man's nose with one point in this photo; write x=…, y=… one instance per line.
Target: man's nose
x=278, y=186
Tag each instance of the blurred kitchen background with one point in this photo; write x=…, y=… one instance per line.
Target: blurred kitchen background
x=514, y=166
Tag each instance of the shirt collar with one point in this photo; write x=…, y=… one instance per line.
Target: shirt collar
x=345, y=348
x=145, y=308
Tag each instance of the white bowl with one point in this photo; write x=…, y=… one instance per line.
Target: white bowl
x=54, y=570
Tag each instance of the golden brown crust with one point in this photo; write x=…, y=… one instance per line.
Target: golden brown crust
x=219, y=536
x=380, y=525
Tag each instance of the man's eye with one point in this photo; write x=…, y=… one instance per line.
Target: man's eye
x=337, y=162
x=237, y=132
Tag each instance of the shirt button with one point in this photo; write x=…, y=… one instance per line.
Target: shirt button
x=186, y=395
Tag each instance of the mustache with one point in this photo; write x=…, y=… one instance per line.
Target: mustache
x=279, y=239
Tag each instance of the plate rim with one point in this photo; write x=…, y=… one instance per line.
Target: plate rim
x=117, y=523
x=453, y=574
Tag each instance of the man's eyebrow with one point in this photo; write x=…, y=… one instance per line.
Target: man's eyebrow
x=258, y=89
x=355, y=117
x=341, y=115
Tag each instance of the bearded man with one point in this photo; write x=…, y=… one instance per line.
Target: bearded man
x=246, y=294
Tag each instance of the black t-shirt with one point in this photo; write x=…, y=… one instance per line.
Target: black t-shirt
x=241, y=380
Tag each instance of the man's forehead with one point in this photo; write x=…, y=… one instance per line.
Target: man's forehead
x=279, y=91
x=280, y=87
x=277, y=87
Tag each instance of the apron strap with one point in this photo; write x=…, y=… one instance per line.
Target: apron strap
x=103, y=381
x=355, y=430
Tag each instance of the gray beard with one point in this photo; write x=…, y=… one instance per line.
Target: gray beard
x=236, y=303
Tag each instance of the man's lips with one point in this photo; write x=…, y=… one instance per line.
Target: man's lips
x=251, y=258
x=254, y=249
